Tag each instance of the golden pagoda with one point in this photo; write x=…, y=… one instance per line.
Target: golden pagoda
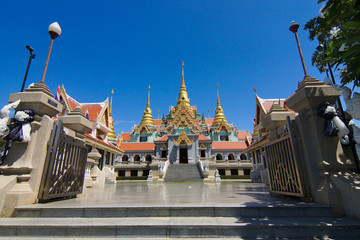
x=183, y=96
x=219, y=112
x=147, y=118
x=111, y=134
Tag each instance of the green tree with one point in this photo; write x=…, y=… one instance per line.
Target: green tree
x=337, y=28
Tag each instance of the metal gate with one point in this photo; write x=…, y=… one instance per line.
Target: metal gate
x=284, y=172
x=64, y=168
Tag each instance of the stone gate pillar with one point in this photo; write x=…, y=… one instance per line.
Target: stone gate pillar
x=23, y=168
x=321, y=155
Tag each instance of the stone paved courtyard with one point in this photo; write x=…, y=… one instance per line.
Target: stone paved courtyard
x=176, y=194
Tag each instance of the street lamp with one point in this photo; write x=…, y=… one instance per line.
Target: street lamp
x=293, y=28
x=54, y=31
x=32, y=56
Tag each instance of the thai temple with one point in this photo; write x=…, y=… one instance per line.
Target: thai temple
x=184, y=145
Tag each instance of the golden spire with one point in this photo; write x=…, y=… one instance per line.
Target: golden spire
x=219, y=112
x=110, y=108
x=111, y=134
x=183, y=96
x=147, y=118
x=182, y=79
x=148, y=101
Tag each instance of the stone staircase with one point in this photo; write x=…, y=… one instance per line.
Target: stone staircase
x=182, y=172
x=250, y=221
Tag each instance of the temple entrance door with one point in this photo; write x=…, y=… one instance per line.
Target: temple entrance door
x=183, y=158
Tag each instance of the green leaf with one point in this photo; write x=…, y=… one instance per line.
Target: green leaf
x=351, y=25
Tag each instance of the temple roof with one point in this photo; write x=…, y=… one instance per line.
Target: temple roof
x=267, y=103
x=93, y=109
x=99, y=140
x=162, y=139
x=243, y=134
x=125, y=136
x=137, y=146
x=203, y=138
x=228, y=145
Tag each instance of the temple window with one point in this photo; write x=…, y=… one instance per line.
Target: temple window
x=224, y=138
x=219, y=157
x=143, y=139
x=137, y=158
x=202, y=153
x=163, y=154
x=231, y=157
x=222, y=172
x=125, y=158
x=148, y=158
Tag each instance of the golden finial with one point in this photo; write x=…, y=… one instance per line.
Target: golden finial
x=148, y=101
x=183, y=97
x=218, y=98
x=147, y=118
x=255, y=89
x=111, y=134
x=111, y=98
x=219, y=112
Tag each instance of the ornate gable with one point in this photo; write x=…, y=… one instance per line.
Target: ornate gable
x=183, y=139
x=103, y=116
x=144, y=128
x=184, y=117
x=202, y=146
x=223, y=127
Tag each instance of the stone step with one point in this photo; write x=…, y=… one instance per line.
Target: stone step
x=197, y=227
x=183, y=172
x=256, y=211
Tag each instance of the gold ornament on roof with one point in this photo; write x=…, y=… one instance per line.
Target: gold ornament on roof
x=183, y=96
x=219, y=112
x=147, y=118
x=111, y=120
x=183, y=139
x=223, y=127
x=202, y=146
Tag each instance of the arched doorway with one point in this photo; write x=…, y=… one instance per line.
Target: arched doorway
x=219, y=157
x=148, y=158
x=125, y=158
x=137, y=158
x=243, y=156
x=183, y=155
x=231, y=156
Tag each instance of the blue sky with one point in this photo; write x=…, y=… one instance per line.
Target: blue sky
x=127, y=45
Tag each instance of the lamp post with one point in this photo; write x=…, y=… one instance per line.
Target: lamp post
x=54, y=31
x=32, y=56
x=293, y=28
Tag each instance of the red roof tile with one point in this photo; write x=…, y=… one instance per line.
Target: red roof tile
x=209, y=121
x=157, y=122
x=137, y=146
x=73, y=104
x=125, y=137
x=203, y=138
x=229, y=145
x=268, y=104
x=162, y=139
x=93, y=110
x=101, y=141
x=243, y=134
